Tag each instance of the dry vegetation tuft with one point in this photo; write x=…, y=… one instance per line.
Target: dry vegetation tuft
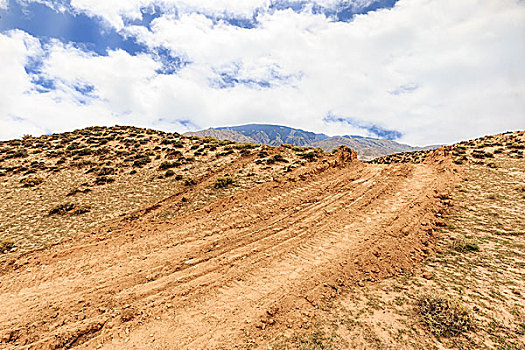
x=444, y=316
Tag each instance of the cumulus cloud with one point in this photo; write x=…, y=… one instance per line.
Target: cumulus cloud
x=428, y=71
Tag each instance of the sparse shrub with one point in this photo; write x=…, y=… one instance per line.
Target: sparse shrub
x=309, y=156
x=222, y=182
x=300, y=149
x=6, y=245
x=225, y=153
x=19, y=153
x=189, y=182
x=141, y=161
x=245, y=152
x=178, y=177
x=102, y=180
x=516, y=145
x=168, y=165
x=245, y=146
x=208, y=139
x=74, y=191
x=276, y=158
x=225, y=142
x=477, y=153
x=280, y=158
x=31, y=181
x=61, y=209
x=82, y=152
x=106, y=171
x=262, y=154
x=75, y=209
x=444, y=315
x=463, y=245
x=169, y=173
x=171, y=153
x=81, y=209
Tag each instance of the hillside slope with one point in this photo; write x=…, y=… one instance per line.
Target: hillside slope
x=227, y=270
x=96, y=175
x=255, y=246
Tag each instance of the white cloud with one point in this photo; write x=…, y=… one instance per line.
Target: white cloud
x=437, y=71
x=115, y=12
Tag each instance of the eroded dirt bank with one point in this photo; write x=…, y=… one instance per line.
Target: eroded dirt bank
x=222, y=276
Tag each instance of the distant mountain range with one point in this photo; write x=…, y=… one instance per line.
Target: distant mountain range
x=275, y=135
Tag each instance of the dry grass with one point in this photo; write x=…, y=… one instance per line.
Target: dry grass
x=444, y=316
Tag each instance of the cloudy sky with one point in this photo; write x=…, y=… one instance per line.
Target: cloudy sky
x=417, y=71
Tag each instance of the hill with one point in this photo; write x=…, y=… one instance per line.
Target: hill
x=134, y=238
x=275, y=135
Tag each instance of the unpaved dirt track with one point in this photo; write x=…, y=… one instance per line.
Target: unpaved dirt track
x=219, y=276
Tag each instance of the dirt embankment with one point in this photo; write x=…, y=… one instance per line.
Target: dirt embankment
x=231, y=272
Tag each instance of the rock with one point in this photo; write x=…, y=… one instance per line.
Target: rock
x=428, y=275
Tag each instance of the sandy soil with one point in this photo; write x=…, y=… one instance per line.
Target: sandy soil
x=226, y=274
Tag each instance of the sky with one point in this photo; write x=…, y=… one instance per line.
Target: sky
x=415, y=71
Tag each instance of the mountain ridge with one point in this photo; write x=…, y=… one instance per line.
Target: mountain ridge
x=367, y=148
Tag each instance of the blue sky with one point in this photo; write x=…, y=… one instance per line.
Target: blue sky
x=417, y=71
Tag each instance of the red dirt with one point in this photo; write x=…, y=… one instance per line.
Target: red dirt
x=229, y=273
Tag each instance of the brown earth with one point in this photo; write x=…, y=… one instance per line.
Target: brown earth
x=479, y=263
x=232, y=273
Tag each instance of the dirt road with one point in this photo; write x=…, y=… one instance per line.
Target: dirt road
x=230, y=273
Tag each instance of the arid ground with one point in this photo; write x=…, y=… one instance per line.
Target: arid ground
x=125, y=238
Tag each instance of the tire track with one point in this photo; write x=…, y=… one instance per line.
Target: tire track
x=213, y=262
